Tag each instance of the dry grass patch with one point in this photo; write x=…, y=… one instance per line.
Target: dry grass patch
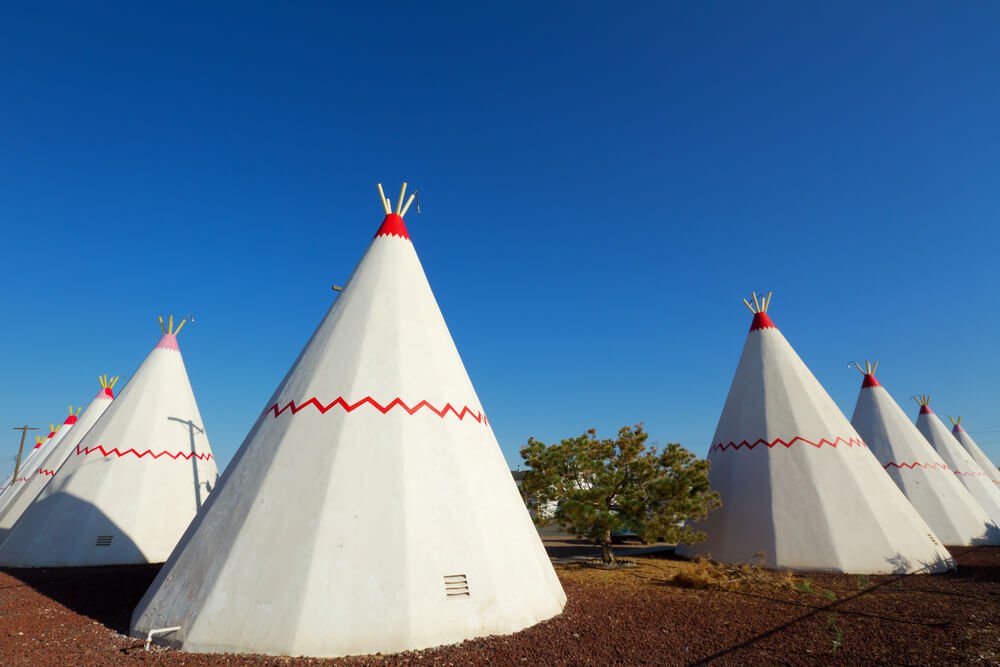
x=700, y=573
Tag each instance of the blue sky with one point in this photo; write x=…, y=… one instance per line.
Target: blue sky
x=600, y=186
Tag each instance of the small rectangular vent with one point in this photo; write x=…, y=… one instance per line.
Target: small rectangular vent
x=456, y=586
x=104, y=540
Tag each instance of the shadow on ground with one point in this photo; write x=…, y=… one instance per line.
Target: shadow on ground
x=106, y=594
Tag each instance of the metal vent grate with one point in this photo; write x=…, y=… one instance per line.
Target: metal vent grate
x=456, y=586
x=104, y=540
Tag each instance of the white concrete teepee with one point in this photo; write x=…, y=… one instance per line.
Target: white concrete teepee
x=41, y=448
x=919, y=471
x=12, y=480
x=131, y=486
x=978, y=455
x=370, y=508
x=799, y=488
x=42, y=473
x=961, y=463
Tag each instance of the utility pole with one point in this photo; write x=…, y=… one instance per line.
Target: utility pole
x=17, y=464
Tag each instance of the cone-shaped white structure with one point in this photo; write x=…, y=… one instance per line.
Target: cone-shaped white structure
x=30, y=462
x=967, y=470
x=131, y=486
x=38, y=477
x=370, y=508
x=919, y=471
x=798, y=485
x=977, y=454
x=13, y=480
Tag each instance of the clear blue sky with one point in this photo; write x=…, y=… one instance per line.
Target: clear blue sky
x=599, y=185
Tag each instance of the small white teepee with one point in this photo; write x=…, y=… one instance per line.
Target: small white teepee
x=131, y=486
x=41, y=449
x=41, y=474
x=13, y=479
x=799, y=488
x=919, y=471
x=370, y=508
x=978, y=455
x=961, y=463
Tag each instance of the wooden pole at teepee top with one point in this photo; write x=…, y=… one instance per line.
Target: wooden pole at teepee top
x=385, y=200
x=20, y=449
x=402, y=196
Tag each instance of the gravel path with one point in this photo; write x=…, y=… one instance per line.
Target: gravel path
x=629, y=617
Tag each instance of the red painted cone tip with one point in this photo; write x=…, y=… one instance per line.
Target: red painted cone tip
x=168, y=342
x=107, y=393
x=393, y=226
x=926, y=410
x=762, y=321
x=70, y=420
x=870, y=381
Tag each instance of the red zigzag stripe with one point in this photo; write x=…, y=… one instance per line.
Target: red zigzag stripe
x=116, y=452
x=915, y=464
x=853, y=442
x=351, y=407
x=971, y=474
x=50, y=473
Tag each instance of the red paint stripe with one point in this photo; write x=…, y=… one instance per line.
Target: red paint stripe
x=762, y=321
x=187, y=456
x=396, y=402
x=869, y=382
x=50, y=473
x=915, y=464
x=971, y=474
x=853, y=442
x=393, y=226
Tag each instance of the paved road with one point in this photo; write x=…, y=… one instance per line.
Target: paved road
x=565, y=548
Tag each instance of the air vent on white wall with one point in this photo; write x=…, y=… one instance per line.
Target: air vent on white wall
x=456, y=586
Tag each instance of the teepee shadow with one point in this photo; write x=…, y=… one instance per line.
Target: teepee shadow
x=106, y=594
x=52, y=530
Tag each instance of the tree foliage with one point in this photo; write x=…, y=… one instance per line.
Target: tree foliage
x=594, y=487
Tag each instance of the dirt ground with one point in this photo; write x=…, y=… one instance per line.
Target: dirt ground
x=663, y=611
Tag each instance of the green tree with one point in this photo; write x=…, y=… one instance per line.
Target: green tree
x=593, y=487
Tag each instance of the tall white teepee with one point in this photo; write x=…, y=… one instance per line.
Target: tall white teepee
x=131, y=486
x=961, y=463
x=919, y=471
x=370, y=508
x=978, y=455
x=799, y=488
x=44, y=471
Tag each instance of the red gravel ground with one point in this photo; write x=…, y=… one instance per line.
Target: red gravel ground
x=627, y=617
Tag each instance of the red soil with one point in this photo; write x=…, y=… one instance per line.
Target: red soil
x=78, y=617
